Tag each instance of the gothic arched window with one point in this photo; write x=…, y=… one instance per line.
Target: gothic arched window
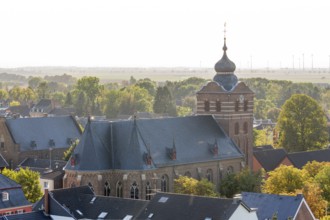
x=107, y=189
x=73, y=185
x=209, y=175
x=119, y=189
x=207, y=105
x=148, y=191
x=236, y=128
x=164, y=183
x=230, y=170
x=245, y=127
x=134, y=191
x=218, y=106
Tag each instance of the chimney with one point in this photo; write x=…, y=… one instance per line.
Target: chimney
x=46, y=202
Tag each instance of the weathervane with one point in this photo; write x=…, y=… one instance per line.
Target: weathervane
x=224, y=30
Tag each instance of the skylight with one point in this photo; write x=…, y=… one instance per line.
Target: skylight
x=102, y=214
x=79, y=212
x=92, y=201
x=163, y=199
x=128, y=217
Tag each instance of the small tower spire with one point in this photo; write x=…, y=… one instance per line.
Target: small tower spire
x=224, y=37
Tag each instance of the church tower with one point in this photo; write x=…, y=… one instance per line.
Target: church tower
x=231, y=104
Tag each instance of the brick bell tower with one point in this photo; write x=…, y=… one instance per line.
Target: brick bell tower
x=231, y=104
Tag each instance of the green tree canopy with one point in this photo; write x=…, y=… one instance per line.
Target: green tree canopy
x=91, y=87
x=284, y=180
x=164, y=102
x=302, y=124
x=29, y=180
x=191, y=186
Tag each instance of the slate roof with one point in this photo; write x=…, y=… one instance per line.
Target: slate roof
x=263, y=147
x=38, y=215
x=42, y=165
x=22, y=110
x=124, y=144
x=43, y=103
x=81, y=198
x=268, y=204
x=270, y=159
x=178, y=206
x=299, y=159
x=3, y=162
x=62, y=111
x=41, y=130
x=16, y=195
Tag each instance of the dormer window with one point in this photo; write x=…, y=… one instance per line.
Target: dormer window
x=147, y=158
x=33, y=144
x=5, y=196
x=51, y=143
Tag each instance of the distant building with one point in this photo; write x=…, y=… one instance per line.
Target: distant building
x=12, y=199
x=270, y=206
x=41, y=138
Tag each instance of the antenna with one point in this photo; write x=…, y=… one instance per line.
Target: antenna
x=224, y=30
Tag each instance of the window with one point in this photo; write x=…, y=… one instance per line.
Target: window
x=246, y=102
x=218, y=106
x=20, y=211
x=209, y=175
x=207, y=105
x=73, y=185
x=230, y=170
x=188, y=174
x=119, y=189
x=236, y=106
x=5, y=196
x=236, y=128
x=134, y=191
x=107, y=189
x=164, y=183
x=46, y=185
x=148, y=191
x=245, y=127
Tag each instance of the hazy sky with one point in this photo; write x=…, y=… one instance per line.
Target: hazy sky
x=171, y=33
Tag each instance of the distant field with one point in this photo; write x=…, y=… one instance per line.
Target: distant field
x=172, y=74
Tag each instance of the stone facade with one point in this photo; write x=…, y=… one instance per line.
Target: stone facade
x=121, y=182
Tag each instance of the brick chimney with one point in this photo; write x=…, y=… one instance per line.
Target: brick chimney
x=46, y=202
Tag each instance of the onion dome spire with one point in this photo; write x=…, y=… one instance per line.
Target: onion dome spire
x=225, y=69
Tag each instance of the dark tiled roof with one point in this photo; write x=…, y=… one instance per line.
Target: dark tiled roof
x=123, y=144
x=38, y=215
x=22, y=110
x=42, y=130
x=268, y=204
x=177, y=206
x=43, y=103
x=263, y=147
x=299, y=159
x=81, y=198
x=53, y=175
x=62, y=111
x=270, y=159
x=42, y=164
x=3, y=162
x=16, y=195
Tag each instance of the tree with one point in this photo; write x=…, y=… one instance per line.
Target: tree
x=313, y=195
x=229, y=186
x=147, y=84
x=323, y=179
x=262, y=137
x=134, y=99
x=163, y=102
x=68, y=99
x=29, y=180
x=3, y=94
x=112, y=103
x=261, y=107
x=249, y=181
x=67, y=154
x=91, y=87
x=34, y=82
x=183, y=111
x=191, y=186
x=43, y=90
x=284, y=180
x=302, y=124
x=81, y=104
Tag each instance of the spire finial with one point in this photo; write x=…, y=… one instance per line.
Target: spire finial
x=224, y=36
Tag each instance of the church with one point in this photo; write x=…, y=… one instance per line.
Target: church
x=136, y=158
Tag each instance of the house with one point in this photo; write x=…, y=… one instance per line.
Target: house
x=12, y=199
x=299, y=159
x=138, y=155
x=20, y=111
x=178, y=206
x=44, y=138
x=34, y=215
x=51, y=171
x=82, y=203
x=283, y=207
x=42, y=108
x=268, y=159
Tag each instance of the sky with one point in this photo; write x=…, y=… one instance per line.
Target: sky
x=171, y=33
